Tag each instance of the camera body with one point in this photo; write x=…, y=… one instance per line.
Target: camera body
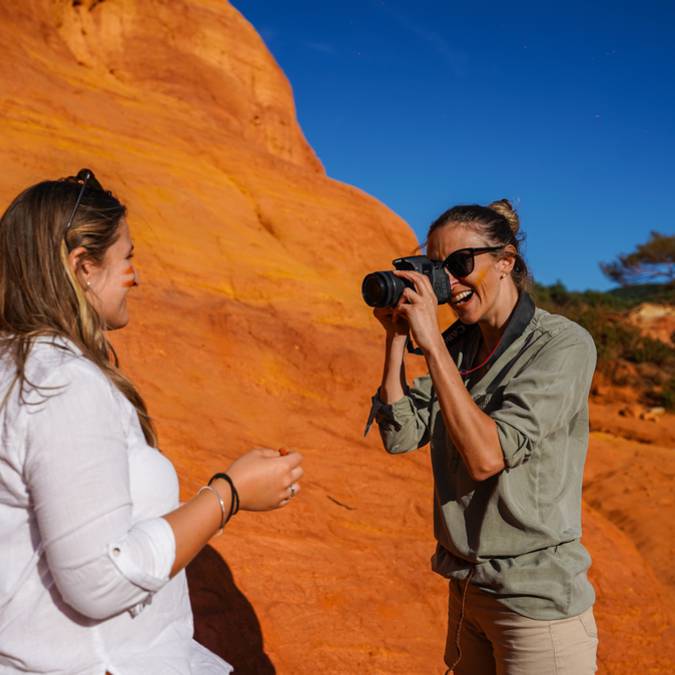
x=384, y=289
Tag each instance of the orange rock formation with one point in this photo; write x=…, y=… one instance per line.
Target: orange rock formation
x=248, y=328
x=655, y=321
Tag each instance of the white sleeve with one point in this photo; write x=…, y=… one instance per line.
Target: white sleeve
x=77, y=472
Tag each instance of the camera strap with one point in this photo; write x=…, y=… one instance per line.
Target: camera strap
x=450, y=335
x=411, y=349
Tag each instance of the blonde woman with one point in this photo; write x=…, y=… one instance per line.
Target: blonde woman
x=505, y=409
x=93, y=541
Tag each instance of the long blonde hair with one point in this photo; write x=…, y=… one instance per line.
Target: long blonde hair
x=39, y=293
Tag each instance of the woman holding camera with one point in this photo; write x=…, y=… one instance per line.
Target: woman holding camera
x=93, y=541
x=504, y=407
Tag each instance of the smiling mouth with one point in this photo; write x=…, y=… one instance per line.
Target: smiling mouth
x=461, y=298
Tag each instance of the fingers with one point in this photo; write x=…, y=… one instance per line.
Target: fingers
x=292, y=486
x=265, y=452
x=382, y=312
x=291, y=491
x=399, y=319
x=407, y=301
x=293, y=459
x=288, y=494
x=420, y=281
x=296, y=474
x=292, y=474
x=390, y=321
x=292, y=478
x=267, y=478
x=408, y=295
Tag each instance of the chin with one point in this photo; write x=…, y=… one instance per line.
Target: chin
x=468, y=315
x=467, y=321
x=117, y=323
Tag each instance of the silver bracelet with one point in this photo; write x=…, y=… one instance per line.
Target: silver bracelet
x=223, y=515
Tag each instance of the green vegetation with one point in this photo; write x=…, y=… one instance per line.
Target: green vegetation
x=662, y=294
x=623, y=298
x=625, y=356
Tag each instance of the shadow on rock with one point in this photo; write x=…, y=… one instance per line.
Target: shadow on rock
x=225, y=621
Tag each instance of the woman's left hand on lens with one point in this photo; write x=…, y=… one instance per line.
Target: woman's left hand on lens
x=419, y=307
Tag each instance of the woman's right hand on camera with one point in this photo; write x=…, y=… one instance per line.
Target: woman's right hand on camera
x=392, y=322
x=263, y=478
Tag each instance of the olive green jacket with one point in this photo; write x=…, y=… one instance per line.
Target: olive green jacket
x=519, y=530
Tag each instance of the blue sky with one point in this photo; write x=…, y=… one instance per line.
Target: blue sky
x=567, y=109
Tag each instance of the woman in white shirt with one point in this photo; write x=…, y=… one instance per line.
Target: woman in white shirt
x=93, y=541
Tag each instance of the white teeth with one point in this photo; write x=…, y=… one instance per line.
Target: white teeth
x=461, y=296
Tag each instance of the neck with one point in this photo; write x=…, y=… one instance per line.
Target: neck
x=492, y=325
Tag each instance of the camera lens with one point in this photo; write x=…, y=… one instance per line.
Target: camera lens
x=381, y=289
x=374, y=289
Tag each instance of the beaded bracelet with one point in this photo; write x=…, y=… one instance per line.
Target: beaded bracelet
x=234, y=505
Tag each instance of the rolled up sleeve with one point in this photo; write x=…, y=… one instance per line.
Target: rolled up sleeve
x=545, y=395
x=404, y=424
x=77, y=472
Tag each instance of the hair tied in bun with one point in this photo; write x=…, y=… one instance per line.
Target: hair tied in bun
x=504, y=208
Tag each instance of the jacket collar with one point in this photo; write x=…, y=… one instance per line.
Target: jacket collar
x=459, y=334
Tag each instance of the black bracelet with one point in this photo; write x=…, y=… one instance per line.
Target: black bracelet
x=234, y=505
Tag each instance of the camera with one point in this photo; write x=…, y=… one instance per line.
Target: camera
x=384, y=289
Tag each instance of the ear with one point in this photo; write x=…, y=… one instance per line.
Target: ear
x=79, y=266
x=508, y=260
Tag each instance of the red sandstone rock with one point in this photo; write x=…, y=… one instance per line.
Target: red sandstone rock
x=249, y=329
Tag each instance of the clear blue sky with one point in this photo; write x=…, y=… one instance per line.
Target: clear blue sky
x=567, y=109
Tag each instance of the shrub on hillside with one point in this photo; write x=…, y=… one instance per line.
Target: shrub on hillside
x=604, y=316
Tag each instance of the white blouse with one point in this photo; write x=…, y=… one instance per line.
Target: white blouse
x=84, y=554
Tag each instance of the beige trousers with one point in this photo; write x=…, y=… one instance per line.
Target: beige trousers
x=495, y=640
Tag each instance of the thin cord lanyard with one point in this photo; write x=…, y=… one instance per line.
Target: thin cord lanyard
x=463, y=373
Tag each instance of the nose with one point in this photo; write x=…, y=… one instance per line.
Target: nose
x=130, y=277
x=451, y=279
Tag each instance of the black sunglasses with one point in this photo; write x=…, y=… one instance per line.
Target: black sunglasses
x=460, y=263
x=86, y=177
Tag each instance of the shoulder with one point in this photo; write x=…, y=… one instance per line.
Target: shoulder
x=560, y=331
x=555, y=343
x=63, y=385
x=56, y=364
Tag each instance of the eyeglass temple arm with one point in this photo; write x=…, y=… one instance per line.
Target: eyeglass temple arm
x=84, y=175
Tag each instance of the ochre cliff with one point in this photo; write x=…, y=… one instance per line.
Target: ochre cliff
x=248, y=329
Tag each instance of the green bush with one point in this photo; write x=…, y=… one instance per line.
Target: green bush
x=604, y=316
x=663, y=396
x=630, y=296
x=647, y=350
